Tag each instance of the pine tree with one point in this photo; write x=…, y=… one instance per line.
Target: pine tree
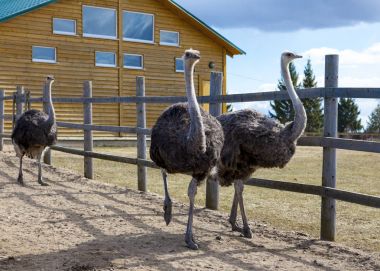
x=373, y=125
x=348, y=116
x=283, y=110
x=313, y=107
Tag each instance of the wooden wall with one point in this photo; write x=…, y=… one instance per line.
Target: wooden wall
x=76, y=60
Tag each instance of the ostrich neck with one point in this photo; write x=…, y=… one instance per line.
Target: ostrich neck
x=50, y=106
x=299, y=123
x=196, y=135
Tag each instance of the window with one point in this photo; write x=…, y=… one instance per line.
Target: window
x=133, y=61
x=64, y=26
x=44, y=54
x=138, y=27
x=105, y=59
x=169, y=38
x=179, y=65
x=99, y=22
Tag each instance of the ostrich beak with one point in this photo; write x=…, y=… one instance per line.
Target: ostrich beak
x=298, y=56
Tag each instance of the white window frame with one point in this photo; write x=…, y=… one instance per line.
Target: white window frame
x=106, y=65
x=167, y=43
x=134, y=67
x=139, y=40
x=64, y=32
x=175, y=65
x=37, y=60
x=86, y=35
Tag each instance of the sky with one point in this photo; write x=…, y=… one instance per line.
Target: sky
x=266, y=28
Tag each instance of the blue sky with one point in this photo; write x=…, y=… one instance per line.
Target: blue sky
x=265, y=28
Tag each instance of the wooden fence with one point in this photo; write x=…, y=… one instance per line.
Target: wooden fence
x=329, y=141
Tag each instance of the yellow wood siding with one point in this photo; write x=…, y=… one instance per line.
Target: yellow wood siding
x=76, y=60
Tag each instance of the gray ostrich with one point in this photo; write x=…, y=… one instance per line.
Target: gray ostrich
x=186, y=139
x=254, y=141
x=34, y=131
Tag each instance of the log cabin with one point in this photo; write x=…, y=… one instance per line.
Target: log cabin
x=109, y=42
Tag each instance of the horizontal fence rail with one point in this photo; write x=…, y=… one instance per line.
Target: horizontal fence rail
x=327, y=192
x=365, y=93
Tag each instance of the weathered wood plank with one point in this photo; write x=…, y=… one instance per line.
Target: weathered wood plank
x=212, y=185
x=45, y=106
x=340, y=143
x=87, y=140
x=105, y=128
x=326, y=192
x=107, y=157
x=328, y=208
x=141, y=138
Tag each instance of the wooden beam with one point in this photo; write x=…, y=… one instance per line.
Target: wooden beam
x=328, y=208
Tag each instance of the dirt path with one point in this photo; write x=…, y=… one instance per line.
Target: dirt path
x=76, y=225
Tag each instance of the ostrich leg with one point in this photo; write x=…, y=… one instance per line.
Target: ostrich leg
x=192, y=191
x=233, y=214
x=167, y=201
x=40, y=171
x=239, y=188
x=20, y=178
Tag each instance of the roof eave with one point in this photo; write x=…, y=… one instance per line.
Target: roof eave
x=13, y=15
x=230, y=47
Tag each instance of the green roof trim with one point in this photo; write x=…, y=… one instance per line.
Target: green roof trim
x=13, y=8
x=207, y=26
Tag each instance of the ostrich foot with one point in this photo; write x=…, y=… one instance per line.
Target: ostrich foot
x=20, y=179
x=168, y=211
x=191, y=243
x=247, y=233
x=236, y=227
x=42, y=183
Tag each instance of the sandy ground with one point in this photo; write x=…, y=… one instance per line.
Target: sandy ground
x=77, y=225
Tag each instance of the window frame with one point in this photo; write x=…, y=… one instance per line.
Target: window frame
x=175, y=65
x=167, y=43
x=64, y=32
x=38, y=60
x=140, y=40
x=133, y=67
x=96, y=36
x=106, y=65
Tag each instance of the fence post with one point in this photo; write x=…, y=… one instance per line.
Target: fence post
x=87, y=119
x=141, y=138
x=212, y=185
x=328, y=208
x=19, y=104
x=45, y=104
x=1, y=119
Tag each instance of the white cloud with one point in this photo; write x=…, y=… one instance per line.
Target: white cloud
x=347, y=57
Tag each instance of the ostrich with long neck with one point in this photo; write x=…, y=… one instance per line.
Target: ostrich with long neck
x=254, y=141
x=186, y=139
x=34, y=131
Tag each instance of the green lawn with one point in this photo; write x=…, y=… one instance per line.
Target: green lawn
x=357, y=226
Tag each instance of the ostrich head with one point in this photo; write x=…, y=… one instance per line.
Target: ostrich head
x=50, y=78
x=288, y=57
x=191, y=57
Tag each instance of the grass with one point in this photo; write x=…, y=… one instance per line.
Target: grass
x=357, y=226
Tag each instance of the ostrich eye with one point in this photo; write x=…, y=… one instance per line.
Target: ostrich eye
x=289, y=54
x=187, y=54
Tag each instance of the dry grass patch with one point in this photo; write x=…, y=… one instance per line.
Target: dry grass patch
x=357, y=226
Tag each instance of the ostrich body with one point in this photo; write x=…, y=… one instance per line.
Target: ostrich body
x=254, y=141
x=33, y=132
x=186, y=139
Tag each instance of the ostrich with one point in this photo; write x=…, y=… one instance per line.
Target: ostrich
x=34, y=131
x=186, y=139
x=254, y=141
